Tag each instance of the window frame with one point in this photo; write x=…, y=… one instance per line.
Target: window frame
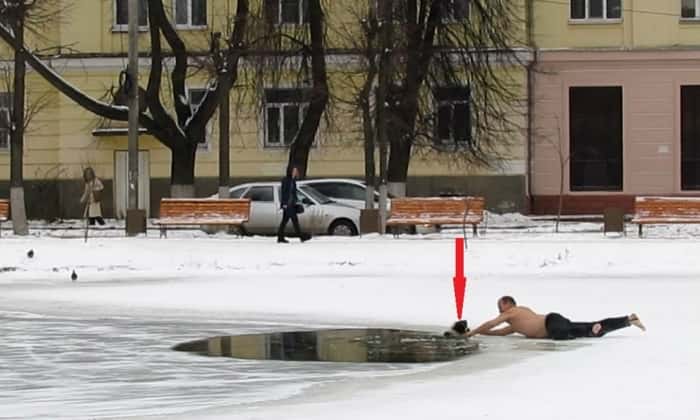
x=588, y=18
x=438, y=103
x=302, y=12
x=303, y=108
x=189, y=24
x=206, y=144
x=124, y=27
x=696, y=16
x=6, y=108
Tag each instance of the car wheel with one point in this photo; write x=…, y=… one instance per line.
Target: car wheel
x=342, y=227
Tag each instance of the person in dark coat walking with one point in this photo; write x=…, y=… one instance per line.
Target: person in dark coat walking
x=289, y=206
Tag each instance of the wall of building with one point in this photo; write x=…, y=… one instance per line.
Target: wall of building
x=651, y=83
x=645, y=24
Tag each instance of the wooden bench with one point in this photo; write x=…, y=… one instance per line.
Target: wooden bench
x=662, y=210
x=436, y=211
x=202, y=211
x=4, y=212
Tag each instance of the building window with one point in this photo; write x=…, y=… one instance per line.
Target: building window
x=453, y=117
x=596, y=9
x=284, y=113
x=5, y=120
x=121, y=15
x=690, y=9
x=456, y=10
x=293, y=12
x=190, y=13
x=595, y=129
x=690, y=137
x=400, y=8
x=195, y=96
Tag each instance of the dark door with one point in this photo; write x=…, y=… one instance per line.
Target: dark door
x=596, y=138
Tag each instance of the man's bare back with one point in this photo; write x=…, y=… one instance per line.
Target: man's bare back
x=525, y=321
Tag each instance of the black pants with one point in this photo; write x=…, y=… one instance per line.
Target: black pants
x=92, y=220
x=561, y=328
x=290, y=213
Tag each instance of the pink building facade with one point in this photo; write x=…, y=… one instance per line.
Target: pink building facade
x=622, y=123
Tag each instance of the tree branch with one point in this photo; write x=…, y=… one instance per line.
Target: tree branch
x=227, y=73
x=179, y=73
x=100, y=108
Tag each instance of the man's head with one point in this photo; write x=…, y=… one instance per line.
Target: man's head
x=505, y=303
x=293, y=171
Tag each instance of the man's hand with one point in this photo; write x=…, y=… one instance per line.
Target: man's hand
x=487, y=326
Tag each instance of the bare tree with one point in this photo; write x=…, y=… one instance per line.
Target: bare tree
x=16, y=17
x=294, y=55
x=452, y=50
x=456, y=50
x=183, y=131
x=361, y=35
x=555, y=142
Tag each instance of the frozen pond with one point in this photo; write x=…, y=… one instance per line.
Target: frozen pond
x=65, y=367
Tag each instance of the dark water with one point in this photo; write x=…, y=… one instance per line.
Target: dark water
x=338, y=345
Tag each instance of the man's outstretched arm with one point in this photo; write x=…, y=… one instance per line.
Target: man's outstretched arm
x=501, y=331
x=489, y=325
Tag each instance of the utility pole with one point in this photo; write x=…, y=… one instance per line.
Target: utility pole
x=382, y=105
x=135, y=220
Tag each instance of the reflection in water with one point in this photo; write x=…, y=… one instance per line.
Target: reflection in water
x=346, y=345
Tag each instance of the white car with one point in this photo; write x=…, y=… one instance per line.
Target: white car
x=343, y=190
x=321, y=214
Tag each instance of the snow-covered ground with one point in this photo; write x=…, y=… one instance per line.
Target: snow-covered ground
x=99, y=347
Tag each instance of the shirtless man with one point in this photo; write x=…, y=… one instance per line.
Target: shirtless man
x=533, y=325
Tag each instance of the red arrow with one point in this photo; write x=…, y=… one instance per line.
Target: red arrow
x=459, y=281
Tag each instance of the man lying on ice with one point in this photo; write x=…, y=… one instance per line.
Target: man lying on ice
x=533, y=325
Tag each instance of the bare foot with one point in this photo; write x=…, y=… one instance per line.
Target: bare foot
x=634, y=320
x=596, y=328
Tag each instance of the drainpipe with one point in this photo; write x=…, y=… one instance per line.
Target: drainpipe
x=531, y=69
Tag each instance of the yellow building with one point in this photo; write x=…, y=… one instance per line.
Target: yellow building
x=616, y=97
x=63, y=138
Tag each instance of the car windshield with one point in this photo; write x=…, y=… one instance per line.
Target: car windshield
x=237, y=192
x=317, y=196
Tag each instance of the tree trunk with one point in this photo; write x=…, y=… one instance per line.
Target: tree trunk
x=385, y=73
x=224, y=144
x=301, y=147
x=561, y=194
x=397, y=173
x=370, y=169
x=182, y=171
x=19, y=214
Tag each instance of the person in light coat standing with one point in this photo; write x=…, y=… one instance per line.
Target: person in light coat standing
x=92, y=197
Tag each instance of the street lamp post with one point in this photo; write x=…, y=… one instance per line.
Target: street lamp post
x=135, y=218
